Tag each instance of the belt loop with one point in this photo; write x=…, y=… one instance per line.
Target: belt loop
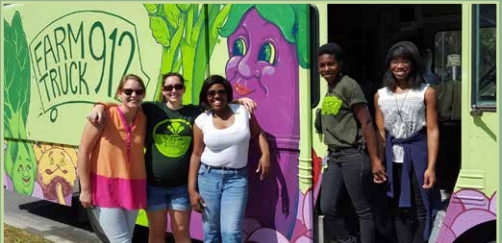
x=208, y=168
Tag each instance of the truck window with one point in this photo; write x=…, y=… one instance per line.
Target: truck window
x=484, y=58
x=447, y=58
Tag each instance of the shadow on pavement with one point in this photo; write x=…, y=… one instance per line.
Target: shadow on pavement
x=76, y=216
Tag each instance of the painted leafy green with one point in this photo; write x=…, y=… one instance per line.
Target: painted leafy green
x=181, y=29
x=160, y=31
x=151, y=8
x=172, y=14
x=184, y=7
x=302, y=40
x=20, y=162
x=17, y=71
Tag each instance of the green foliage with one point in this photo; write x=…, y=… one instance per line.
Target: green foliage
x=180, y=29
x=172, y=14
x=184, y=7
x=151, y=8
x=15, y=235
x=16, y=75
x=291, y=19
x=16, y=87
x=19, y=155
x=302, y=40
x=160, y=31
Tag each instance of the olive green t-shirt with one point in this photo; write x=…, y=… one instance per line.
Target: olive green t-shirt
x=339, y=124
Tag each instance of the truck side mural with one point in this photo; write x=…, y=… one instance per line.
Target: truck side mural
x=61, y=58
x=54, y=70
x=265, y=53
x=59, y=66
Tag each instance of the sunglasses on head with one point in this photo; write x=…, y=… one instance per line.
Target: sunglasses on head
x=171, y=87
x=130, y=91
x=212, y=93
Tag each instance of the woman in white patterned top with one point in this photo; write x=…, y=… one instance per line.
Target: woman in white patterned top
x=406, y=117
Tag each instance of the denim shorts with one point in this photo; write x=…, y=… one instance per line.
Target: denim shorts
x=174, y=198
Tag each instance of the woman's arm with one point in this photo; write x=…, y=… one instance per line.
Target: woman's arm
x=89, y=138
x=198, y=147
x=264, y=163
x=380, y=127
x=432, y=137
x=246, y=102
x=97, y=115
x=363, y=116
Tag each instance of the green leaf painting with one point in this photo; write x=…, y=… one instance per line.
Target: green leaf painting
x=160, y=31
x=182, y=30
x=20, y=161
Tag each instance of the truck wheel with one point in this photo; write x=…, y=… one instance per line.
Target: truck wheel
x=96, y=227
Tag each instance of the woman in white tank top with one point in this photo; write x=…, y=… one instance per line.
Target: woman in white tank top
x=217, y=181
x=406, y=117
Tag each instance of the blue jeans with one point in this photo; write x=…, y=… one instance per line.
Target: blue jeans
x=117, y=223
x=225, y=193
x=175, y=198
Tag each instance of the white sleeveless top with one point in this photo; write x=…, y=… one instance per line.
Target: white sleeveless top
x=403, y=114
x=226, y=147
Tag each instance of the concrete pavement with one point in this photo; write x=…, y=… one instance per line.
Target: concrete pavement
x=52, y=221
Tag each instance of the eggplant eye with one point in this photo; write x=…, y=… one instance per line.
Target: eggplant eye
x=239, y=48
x=267, y=53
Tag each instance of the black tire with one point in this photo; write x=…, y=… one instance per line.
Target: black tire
x=96, y=227
x=482, y=233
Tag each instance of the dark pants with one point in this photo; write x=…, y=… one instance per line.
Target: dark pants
x=348, y=177
x=410, y=222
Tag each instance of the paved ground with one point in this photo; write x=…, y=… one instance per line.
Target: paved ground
x=52, y=221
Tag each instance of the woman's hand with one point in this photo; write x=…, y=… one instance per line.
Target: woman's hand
x=379, y=175
x=429, y=178
x=263, y=167
x=97, y=115
x=86, y=199
x=196, y=201
x=248, y=103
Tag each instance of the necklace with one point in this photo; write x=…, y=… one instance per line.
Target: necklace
x=400, y=108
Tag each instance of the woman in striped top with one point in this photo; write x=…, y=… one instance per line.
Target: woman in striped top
x=111, y=163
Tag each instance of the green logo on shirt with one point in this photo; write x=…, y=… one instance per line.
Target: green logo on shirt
x=172, y=138
x=331, y=105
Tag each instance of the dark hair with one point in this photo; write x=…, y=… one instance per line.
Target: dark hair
x=335, y=50
x=210, y=81
x=410, y=51
x=167, y=75
x=133, y=77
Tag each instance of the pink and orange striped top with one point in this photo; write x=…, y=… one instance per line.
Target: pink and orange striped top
x=118, y=177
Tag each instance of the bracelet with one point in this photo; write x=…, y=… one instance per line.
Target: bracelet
x=100, y=103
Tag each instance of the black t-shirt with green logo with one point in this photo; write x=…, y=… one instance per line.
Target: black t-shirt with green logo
x=168, y=143
x=339, y=124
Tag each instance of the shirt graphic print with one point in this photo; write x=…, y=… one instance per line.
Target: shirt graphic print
x=170, y=138
x=331, y=105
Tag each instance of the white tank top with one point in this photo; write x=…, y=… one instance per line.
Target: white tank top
x=226, y=147
x=403, y=114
